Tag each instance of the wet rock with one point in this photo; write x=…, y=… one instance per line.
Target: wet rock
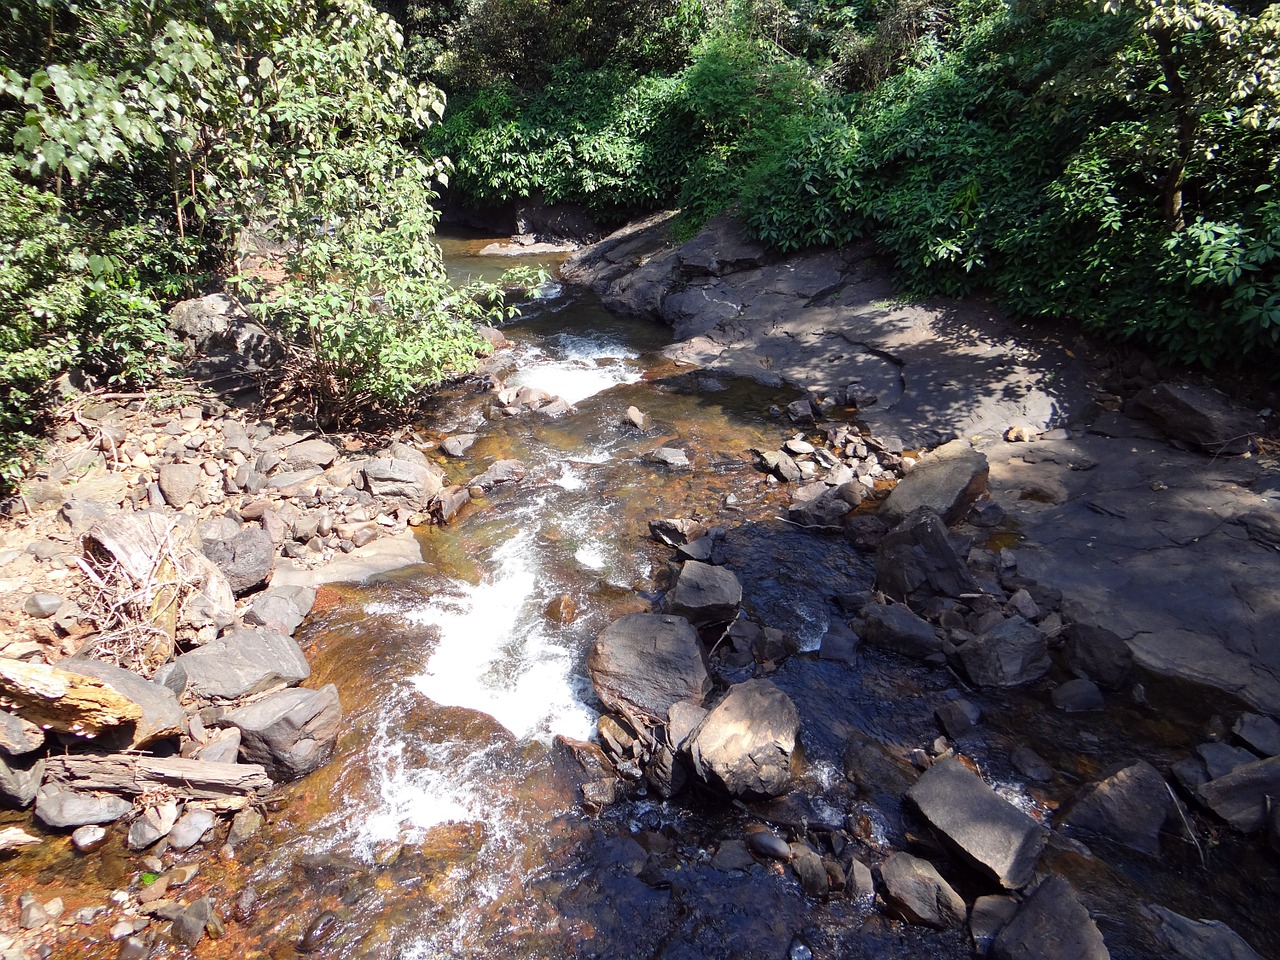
x=449, y=501
x=665, y=772
x=88, y=838
x=291, y=732
x=1259, y=732
x=745, y=743
x=410, y=481
x=1097, y=654
x=458, y=444
x=781, y=465
x=20, y=779
x=675, y=532
x=733, y=855
x=1030, y=764
x=1077, y=696
x=18, y=736
x=645, y=663
x=916, y=561
x=320, y=931
x=59, y=807
x=916, y=892
x=162, y=715
x=801, y=411
x=958, y=718
x=190, y=927
x=1010, y=654
x=244, y=662
x=1189, y=939
x=282, y=607
x=829, y=507
x=179, y=482
x=1243, y=797
x=860, y=883
x=683, y=718
x=1051, y=925
x=989, y=916
x=701, y=550
x=246, y=560
x=810, y=870
x=876, y=772
x=895, y=628
x=1202, y=417
x=767, y=844
x=1129, y=806
x=502, y=471
x=635, y=418
x=987, y=831
x=672, y=457
x=244, y=826
x=948, y=481
x=704, y=594
x=864, y=532
x=41, y=606
x=193, y=824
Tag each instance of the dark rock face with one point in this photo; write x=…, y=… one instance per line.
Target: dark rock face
x=162, y=715
x=704, y=594
x=245, y=560
x=1097, y=654
x=1241, y=797
x=990, y=833
x=745, y=743
x=1129, y=807
x=948, y=481
x=916, y=892
x=916, y=561
x=647, y=662
x=1199, y=416
x=1010, y=654
x=1189, y=939
x=243, y=662
x=59, y=807
x=895, y=628
x=1052, y=925
x=291, y=732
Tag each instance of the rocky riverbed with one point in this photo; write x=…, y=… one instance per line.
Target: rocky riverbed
x=957, y=644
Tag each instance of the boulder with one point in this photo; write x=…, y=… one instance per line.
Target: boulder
x=284, y=607
x=20, y=779
x=1243, y=797
x=1129, y=806
x=289, y=733
x=1189, y=939
x=1011, y=653
x=309, y=454
x=243, y=662
x=829, y=507
x=745, y=743
x=18, y=736
x=704, y=594
x=645, y=663
x=677, y=531
x=503, y=471
x=916, y=892
x=1199, y=416
x=409, y=481
x=895, y=628
x=948, y=481
x=1077, y=696
x=916, y=561
x=1051, y=925
x=57, y=807
x=988, y=832
x=1097, y=654
x=191, y=826
x=162, y=715
x=458, y=444
x=1259, y=732
x=246, y=559
x=179, y=482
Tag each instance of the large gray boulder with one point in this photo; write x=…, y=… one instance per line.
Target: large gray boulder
x=1011, y=653
x=1199, y=416
x=1243, y=797
x=1097, y=654
x=916, y=561
x=895, y=628
x=289, y=733
x=948, y=481
x=162, y=714
x=244, y=662
x=704, y=594
x=59, y=807
x=646, y=663
x=745, y=743
x=406, y=480
x=916, y=892
x=246, y=560
x=1051, y=925
x=988, y=832
x=1130, y=806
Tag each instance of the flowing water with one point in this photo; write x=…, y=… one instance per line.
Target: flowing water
x=451, y=822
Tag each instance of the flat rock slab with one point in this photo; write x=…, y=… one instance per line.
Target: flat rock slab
x=243, y=662
x=704, y=594
x=1052, y=925
x=745, y=744
x=646, y=663
x=990, y=833
x=162, y=715
x=57, y=806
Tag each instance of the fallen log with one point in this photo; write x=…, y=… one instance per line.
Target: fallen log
x=66, y=702
x=229, y=785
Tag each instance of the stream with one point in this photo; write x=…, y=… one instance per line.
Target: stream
x=451, y=822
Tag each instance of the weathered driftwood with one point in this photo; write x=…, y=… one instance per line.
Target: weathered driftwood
x=230, y=785
x=67, y=702
x=11, y=838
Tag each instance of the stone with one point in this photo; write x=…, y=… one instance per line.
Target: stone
x=672, y=457
x=88, y=838
x=810, y=870
x=893, y=627
x=1199, y=416
x=179, y=482
x=244, y=826
x=948, y=481
x=409, y=481
x=988, y=832
x=1189, y=939
x=958, y=718
x=683, y=718
x=732, y=855
x=289, y=733
x=191, y=826
x=1259, y=732
x=1010, y=654
x=745, y=743
x=309, y=454
x=1221, y=759
x=246, y=559
x=1077, y=696
x=20, y=779
x=189, y=929
x=285, y=607
x=1030, y=764
x=767, y=844
x=635, y=418
x=152, y=825
x=41, y=606
x=675, y=532
x=58, y=807
x=1243, y=797
x=243, y=662
x=990, y=915
x=829, y=508
x=223, y=746
x=860, y=882
x=916, y=892
x=645, y=663
x=801, y=411
x=916, y=561
x=704, y=594
x=1051, y=925
x=458, y=444
x=501, y=471
x=1130, y=807
x=18, y=736
x=162, y=715
x=1097, y=654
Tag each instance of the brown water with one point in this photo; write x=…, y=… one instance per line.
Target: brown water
x=450, y=823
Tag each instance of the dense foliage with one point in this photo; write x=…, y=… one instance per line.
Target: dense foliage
x=1109, y=164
